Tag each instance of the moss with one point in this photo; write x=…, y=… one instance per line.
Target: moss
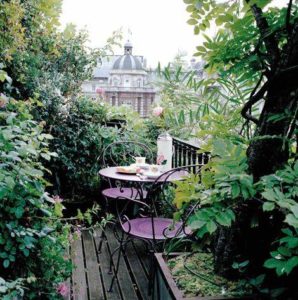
x=205, y=283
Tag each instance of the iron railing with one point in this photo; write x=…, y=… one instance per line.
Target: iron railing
x=186, y=153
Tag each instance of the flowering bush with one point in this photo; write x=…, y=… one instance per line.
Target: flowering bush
x=157, y=111
x=32, y=239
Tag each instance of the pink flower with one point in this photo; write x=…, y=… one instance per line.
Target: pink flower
x=3, y=100
x=57, y=199
x=62, y=289
x=157, y=111
x=160, y=159
x=100, y=91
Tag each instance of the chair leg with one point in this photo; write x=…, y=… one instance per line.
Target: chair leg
x=102, y=238
x=120, y=249
x=151, y=273
x=103, y=234
x=111, y=258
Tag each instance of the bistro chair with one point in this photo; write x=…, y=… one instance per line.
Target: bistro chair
x=118, y=154
x=147, y=225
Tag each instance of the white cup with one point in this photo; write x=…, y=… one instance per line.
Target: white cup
x=140, y=160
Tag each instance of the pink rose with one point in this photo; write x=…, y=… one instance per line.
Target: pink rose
x=157, y=111
x=100, y=91
x=62, y=289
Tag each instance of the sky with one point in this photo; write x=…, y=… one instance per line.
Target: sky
x=157, y=28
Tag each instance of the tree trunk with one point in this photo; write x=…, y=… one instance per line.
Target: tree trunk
x=268, y=151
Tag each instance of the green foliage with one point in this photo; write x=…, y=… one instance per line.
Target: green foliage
x=280, y=191
x=223, y=183
x=234, y=48
x=80, y=137
x=31, y=244
x=193, y=106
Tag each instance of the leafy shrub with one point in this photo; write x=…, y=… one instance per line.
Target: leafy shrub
x=79, y=139
x=280, y=192
x=32, y=239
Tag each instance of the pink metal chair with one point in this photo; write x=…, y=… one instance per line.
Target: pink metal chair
x=147, y=226
x=122, y=153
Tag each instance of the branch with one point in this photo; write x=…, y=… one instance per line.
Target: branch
x=268, y=38
x=288, y=17
x=253, y=99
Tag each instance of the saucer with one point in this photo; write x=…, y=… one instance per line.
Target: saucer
x=152, y=175
x=142, y=166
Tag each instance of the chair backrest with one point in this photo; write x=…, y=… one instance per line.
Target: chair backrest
x=124, y=153
x=148, y=207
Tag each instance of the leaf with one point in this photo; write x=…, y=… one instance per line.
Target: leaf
x=19, y=212
x=294, y=210
x=196, y=224
x=6, y=263
x=268, y=206
x=291, y=264
x=224, y=219
x=272, y=263
x=46, y=212
x=192, y=22
x=211, y=226
x=10, y=182
x=235, y=190
x=292, y=220
x=201, y=48
x=269, y=195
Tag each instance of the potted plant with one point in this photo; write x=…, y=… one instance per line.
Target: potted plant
x=179, y=276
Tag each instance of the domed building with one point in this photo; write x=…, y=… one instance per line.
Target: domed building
x=123, y=80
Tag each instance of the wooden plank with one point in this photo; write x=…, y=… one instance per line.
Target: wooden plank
x=79, y=286
x=104, y=260
x=142, y=255
x=126, y=285
x=137, y=270
x=95, y=287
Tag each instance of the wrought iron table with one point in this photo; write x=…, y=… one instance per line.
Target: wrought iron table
x=137, y=182
x=111, y=173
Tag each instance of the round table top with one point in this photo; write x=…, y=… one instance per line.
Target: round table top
x=111, y=172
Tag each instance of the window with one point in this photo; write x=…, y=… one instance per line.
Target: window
x=113, y=100
x=127, y=82
x=93, y=87
x=139, y=82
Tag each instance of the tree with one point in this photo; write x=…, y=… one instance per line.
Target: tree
x=257, y=43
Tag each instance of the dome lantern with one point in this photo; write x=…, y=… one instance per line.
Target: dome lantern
x=128, y=47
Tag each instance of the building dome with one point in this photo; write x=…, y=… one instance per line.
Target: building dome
x=127, y=61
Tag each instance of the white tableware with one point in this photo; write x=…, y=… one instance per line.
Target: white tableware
x=140, y=160
x=152, y=175
x=127, y=170
x=142, y=166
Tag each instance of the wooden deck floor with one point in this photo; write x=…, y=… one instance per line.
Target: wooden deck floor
x=90, y=279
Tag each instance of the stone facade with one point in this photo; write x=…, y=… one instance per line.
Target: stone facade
x=123, y=80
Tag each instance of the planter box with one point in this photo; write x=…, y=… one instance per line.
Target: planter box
x=165, y=287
